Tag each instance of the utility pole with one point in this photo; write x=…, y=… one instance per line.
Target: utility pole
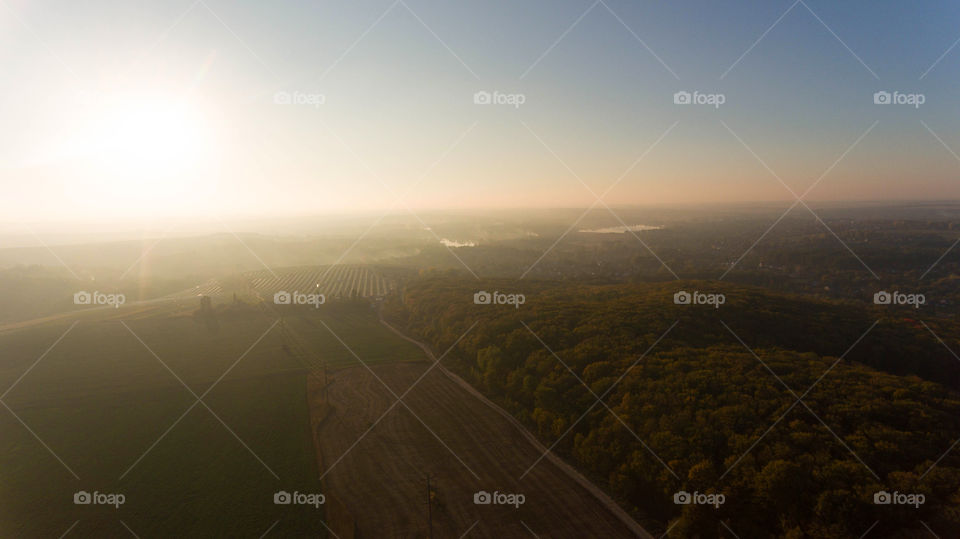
x=429, y=508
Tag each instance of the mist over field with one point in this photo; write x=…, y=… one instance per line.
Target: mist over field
x=406, y=268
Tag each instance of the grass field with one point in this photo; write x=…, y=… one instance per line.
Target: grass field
x=99, y=400
x=108, y=400
x=339, y=335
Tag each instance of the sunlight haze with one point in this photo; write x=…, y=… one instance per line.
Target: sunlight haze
x=230, y=110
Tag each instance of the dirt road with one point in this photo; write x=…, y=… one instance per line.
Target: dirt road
x=552, y=457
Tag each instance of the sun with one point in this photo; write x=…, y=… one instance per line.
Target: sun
x=147, y=152
x=153, y=137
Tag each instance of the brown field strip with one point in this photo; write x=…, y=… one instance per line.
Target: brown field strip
x=463, y=444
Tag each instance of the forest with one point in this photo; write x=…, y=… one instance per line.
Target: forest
x=797, y=410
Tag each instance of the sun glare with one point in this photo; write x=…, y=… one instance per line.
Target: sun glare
x=150, y=152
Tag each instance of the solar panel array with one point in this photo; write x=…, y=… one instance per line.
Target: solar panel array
x=339, y=281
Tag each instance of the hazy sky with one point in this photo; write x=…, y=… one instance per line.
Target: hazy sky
x=152, y=108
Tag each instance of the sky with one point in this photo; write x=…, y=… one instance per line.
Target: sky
x=154, y=109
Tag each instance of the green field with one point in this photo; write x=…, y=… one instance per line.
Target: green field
x=100, y=399
x=322, y=330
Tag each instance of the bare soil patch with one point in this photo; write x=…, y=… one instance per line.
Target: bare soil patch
x=461, y=443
